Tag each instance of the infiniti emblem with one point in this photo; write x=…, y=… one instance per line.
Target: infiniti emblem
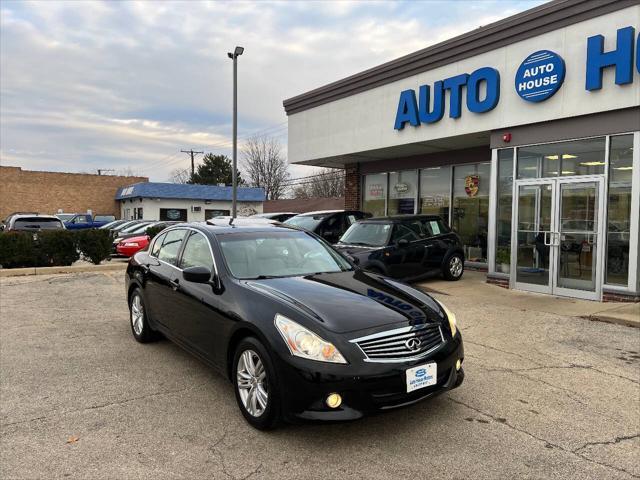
x=413, y=344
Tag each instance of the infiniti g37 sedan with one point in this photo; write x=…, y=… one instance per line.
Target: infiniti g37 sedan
x=300, y=331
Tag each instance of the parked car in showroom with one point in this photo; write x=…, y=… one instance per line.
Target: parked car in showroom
x=128, y=247
x=30, y=222
x=329, y=224
x=405, y=246
x=278, y=216
x=300, y=331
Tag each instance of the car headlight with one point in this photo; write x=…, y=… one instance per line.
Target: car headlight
x=306, y=344
x=453, y=323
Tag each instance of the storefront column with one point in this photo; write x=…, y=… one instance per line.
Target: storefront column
x=634, y=230
x=493, y=208
x=352, y=186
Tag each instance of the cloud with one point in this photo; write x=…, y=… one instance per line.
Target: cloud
x=87, y=85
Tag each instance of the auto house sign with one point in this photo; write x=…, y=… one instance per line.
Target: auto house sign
x=539, y=76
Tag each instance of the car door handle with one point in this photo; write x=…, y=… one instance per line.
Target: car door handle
x=174, y=284
x=145, y=268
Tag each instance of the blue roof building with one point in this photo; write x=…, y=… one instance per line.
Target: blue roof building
x=185, y=202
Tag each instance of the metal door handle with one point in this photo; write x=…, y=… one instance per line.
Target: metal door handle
x=174, y=284
x=547, y=242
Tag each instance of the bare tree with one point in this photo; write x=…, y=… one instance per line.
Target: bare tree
x=180, y=175
x=325, y=183
x=265, y=165
x=127, y=172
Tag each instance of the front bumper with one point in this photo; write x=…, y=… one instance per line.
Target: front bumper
x=365, y=388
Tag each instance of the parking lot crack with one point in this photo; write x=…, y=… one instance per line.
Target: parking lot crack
x=504, y=351
x=547, y=444
x=102, y=405
x=608, y=442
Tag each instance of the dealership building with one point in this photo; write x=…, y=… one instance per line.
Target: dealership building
x=524, y=134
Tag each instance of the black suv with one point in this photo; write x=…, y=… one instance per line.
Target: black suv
x=407, y=247
x=329, y=224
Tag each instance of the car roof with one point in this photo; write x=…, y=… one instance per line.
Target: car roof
x=320, y=212
x=272, y=214
x=239, y=225
x=30, y=215
x=401, y=218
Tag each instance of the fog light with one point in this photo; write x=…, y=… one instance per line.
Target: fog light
x=333, y=400
x=458, y=364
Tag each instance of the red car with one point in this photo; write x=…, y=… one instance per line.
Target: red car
x=129, y=246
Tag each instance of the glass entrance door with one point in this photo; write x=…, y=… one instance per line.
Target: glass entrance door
x=557, y=237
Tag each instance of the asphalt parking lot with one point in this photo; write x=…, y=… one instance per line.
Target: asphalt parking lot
x=545, y=396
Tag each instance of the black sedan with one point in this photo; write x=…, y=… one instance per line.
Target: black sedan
x=405, y=246
x=300, y=331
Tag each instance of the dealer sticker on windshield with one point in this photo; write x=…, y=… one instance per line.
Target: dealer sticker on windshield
x=422, y=376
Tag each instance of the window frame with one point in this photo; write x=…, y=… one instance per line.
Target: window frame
x=193, y=233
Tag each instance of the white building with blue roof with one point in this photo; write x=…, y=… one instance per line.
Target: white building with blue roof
x=185, y=202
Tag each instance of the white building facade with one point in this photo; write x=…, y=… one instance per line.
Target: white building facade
x=523, y=134
x=185, y=202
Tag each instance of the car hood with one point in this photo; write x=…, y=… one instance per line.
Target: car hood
x=350, y=301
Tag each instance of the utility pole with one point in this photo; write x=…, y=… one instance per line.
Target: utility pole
x=193, y=165
x=234, y=195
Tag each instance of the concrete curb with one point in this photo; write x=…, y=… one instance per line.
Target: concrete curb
x=20, y=272
x=609, y=318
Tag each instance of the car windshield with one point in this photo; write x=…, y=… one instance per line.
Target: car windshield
x=142, y=228
x=134, y=227
x=258, y=255
x=368, y=234
x=113, y=224
x=37, y=223
x=308, y=222
x=104, y=218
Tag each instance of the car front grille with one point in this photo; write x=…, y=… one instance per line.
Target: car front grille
x=401, y=344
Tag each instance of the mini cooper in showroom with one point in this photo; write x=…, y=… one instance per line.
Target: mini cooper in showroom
x=301, y=332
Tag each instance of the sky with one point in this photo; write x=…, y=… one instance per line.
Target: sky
x=126, y=85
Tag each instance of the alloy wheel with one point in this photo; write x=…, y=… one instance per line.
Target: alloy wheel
x=455, y=266
x=252, y=383
x=137, y=314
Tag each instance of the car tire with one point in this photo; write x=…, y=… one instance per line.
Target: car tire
x=258, y=400
x=453, y=267
x=138, y=319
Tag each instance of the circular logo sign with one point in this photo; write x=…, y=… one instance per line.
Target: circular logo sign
x=540, y=76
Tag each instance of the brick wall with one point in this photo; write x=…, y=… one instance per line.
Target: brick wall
x=352, y=187
x=46, y=192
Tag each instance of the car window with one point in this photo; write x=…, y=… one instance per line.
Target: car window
x=435, y=227
x=416, y=226
x=157, y=244
x=38, y=223
x=278, y=254
x=196, y=252
x=80, y=219
x=104, y=218
x=402, y=232
x=171, y=246
x=367, y=234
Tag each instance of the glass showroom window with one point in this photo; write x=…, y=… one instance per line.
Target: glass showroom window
x=578, y=157
x=403, y=190
x=503, y=213
x=435, y=191
x=471, y=208
x=375, y=194
x=619, y=209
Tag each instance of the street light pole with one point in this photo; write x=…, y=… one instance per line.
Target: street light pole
x=234, y=175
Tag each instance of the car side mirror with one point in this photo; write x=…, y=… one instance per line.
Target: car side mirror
x=403, y=242
x=197, y=274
